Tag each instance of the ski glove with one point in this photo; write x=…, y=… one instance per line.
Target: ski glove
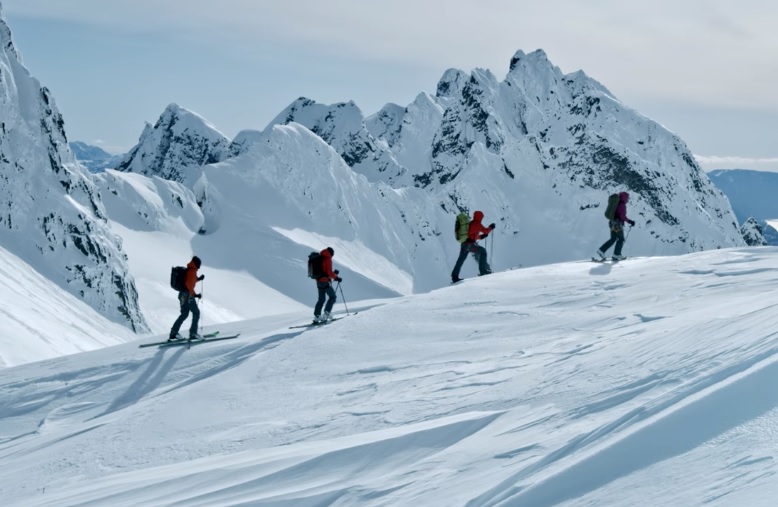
x=483, y=236
x=339, y=279
x=336, y=272
x=631, y=222
x=492, y=226
x=198, y=296
x=201, y=278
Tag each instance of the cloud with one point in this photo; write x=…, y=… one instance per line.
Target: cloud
x=709, y=163
x=692, y=56
x=703, y=51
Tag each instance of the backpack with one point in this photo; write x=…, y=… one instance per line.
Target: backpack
x=613, y=203
x=461, y=227
x=315, y=268
x=178, y=278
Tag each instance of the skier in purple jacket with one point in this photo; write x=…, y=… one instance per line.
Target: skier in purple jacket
x=616, y=227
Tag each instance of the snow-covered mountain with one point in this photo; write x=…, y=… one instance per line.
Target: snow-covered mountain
x=94, y=158
x=243, y=140
x=342, y=126
x=538, y=152
x=752, y=194
x=292, y=193
x=176, y=146
x=646, y=383
x=51, y=213
x=161, y=224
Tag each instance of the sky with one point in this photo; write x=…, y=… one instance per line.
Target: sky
x=646, y=382
x=702, y=68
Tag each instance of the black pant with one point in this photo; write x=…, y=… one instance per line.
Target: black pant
x=325, y=289
x=188, y=304
x=617, y=236
x=478, y=252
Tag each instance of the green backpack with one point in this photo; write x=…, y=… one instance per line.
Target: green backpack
x=613, y=203
x=462, y=224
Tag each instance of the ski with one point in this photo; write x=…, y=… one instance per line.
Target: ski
x=614, y=261
x=209, y=336
x=189, y=343
x=316, y=324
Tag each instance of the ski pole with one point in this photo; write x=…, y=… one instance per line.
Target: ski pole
x=627, y=236
x=491, y=247
x=202, y=290
x=344, y=297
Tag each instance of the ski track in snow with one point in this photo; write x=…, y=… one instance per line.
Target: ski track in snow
x=655, y=384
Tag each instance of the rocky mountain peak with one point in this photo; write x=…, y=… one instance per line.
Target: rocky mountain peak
x=343, y=127
x=752, y=232
x=51, y=213
x=178, y=144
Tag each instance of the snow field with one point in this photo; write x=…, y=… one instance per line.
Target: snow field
x=645, y=382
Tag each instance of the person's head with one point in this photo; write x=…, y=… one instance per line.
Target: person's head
x=196, y=261
x=478, y=216
x=331, y=251
x=624, y=197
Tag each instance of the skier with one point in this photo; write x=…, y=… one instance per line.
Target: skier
x=475, y=231
x=188, y=300
x=324, y=286
x=616, y=227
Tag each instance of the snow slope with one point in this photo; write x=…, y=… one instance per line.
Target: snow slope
x=159, y=221
x=39, y=320
x=648, y=382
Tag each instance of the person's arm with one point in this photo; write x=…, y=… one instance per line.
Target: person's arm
x=486, y=230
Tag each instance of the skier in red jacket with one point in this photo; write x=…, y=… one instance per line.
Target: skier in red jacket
x=475, y=231
x=187, y=299
x=324, y=286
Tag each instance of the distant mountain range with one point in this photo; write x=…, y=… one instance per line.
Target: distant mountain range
x=94, y=158
x=751, y=194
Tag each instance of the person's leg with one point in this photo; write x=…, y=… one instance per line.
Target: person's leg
x=483, y=262
x=195, y=316
x=183, y=301
x=332, y=296
x=619, y=242
x=605, y=246
x=463, y=251
x=321, y=287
